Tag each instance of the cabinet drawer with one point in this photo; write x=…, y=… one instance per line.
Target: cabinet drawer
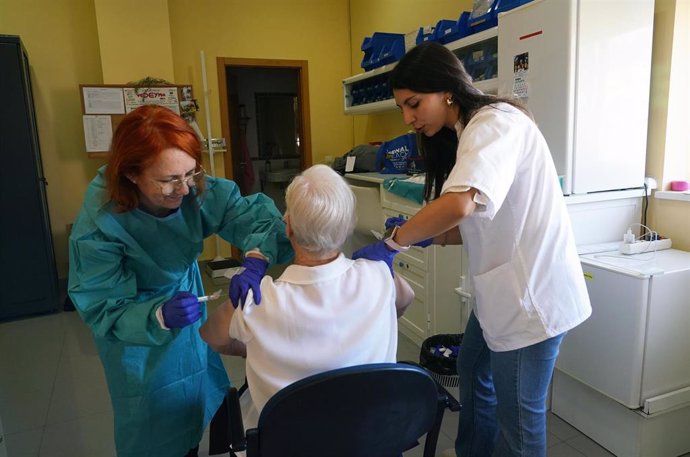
x=414, y=276
x=389, y=212
x=419, y=257
x=415, y=322
x=416, y=257
x=398, y=203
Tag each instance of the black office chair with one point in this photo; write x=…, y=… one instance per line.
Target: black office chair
x=374, y=410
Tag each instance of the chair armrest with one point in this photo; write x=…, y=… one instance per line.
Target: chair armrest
x=235, y=424
x=444, y=396
x=252, y=442
x=451, y=403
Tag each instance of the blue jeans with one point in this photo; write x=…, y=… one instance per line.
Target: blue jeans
x=503, y=396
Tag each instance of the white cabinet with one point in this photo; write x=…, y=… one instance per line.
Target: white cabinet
x=434, y=273
x=369, y=92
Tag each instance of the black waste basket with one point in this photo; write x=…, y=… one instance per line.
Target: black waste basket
x=443, y=369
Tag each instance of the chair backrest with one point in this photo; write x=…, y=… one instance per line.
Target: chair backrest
x=367, y=410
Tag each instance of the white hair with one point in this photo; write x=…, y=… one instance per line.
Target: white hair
x=321, y=207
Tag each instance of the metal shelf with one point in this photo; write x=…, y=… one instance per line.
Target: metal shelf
x=370, y=74
x=489, y=86
x=376, y=107
x=469, y=40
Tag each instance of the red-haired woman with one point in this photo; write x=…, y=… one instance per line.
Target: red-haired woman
x=134, y=278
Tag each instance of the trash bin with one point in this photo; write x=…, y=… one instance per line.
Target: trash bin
x=441, y=367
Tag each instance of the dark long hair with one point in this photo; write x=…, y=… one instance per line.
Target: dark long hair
x=429, y=68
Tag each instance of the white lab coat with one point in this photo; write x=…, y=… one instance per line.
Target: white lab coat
x=525, y=270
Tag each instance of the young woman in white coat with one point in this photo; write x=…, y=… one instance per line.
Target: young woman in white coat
x=491, y=185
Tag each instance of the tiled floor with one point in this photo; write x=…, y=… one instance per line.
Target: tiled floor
x=54, y=401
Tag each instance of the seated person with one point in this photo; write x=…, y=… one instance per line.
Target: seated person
x=324, y=312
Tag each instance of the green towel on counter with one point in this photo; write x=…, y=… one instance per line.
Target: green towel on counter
x=409, y=188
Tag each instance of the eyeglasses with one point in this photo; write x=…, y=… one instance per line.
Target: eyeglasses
x=169, y=186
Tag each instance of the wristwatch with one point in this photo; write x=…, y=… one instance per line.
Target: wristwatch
x=388, y=238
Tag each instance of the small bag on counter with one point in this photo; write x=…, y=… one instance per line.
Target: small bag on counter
x=394, y=156
x=365, y=159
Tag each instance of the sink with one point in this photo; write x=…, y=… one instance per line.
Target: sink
x=284, y=175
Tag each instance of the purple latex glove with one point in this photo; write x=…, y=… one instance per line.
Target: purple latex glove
x=181, y=310
x=393, y=221
x=376, y=251
x=250, y=278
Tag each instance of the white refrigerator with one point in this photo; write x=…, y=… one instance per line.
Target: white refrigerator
x=623, y=376
x=583, y=68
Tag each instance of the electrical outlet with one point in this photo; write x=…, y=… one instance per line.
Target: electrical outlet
x=651, y=182
x=641, y=246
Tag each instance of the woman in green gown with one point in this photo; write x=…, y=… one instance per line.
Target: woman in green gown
x=134, y=278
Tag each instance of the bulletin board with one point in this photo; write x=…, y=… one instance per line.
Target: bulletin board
x=104, y=105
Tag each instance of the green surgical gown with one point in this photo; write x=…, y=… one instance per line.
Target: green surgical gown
x=165, y=385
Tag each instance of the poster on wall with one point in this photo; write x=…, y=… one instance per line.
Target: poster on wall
x=520, y=72
x=103, y=100
x=164, y=96
x=98, y=133
x=103, y=106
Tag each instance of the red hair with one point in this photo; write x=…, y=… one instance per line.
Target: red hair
x=138, y=141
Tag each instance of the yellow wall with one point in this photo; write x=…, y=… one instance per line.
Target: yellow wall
x=105, y=41
x=327, y=33
x=312, y=30
x=61, y=40
x=668, y=145
x=392, y=16
x=134, y=39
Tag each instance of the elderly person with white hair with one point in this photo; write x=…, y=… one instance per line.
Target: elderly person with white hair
x=324, y=312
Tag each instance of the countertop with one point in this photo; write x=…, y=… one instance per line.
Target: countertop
x=373, y=176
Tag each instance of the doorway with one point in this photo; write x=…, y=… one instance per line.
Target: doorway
x=264, y=111
x=277, y=129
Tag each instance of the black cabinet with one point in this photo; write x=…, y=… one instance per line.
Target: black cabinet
x=28, y=276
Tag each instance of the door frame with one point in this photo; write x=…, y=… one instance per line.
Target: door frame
x=224, y=63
